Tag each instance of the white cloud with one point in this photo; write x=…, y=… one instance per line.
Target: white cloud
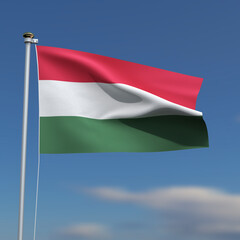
x=86, y=231
x=187, y=210
x=238, y=118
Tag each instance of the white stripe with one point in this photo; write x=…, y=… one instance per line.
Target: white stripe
x=103, y=101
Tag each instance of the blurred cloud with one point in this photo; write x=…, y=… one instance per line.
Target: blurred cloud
x=85, y=231
x=186, y=211
x=238, y=118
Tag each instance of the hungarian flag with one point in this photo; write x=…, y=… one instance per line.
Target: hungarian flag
x=92, y=103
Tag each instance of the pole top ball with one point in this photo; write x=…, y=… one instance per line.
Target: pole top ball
x=28, y=35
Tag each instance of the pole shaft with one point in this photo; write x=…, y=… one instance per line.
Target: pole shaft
x=24, y=140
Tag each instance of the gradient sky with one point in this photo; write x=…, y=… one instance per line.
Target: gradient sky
x=190, y=194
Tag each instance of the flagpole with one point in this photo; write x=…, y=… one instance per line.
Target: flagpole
x=28, y=40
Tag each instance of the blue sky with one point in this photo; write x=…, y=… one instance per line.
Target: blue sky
x=191, y=194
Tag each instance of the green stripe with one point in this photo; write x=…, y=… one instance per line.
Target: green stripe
x=152, y=134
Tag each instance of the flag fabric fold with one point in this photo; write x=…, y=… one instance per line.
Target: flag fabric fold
x=92, y=103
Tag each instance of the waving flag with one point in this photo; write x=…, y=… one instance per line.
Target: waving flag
x=92, y=103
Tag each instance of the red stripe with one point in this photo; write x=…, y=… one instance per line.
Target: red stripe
x=75, y=66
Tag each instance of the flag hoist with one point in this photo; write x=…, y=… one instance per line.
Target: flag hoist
x=28, y=40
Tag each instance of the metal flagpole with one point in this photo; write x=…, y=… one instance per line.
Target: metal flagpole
x=28, y=40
